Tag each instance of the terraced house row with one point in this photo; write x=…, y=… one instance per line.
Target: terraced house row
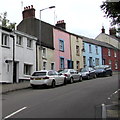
x=37, y=45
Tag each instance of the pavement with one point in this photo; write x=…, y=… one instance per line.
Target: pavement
x=4, y=88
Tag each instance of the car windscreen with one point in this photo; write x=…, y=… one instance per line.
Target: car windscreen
x=83, y=70
x=64, y=71
x=39, y=74
x=99, y=67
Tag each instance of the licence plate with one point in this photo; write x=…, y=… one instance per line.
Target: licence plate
x=37, y=78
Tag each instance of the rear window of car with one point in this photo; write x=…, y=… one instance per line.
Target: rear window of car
x=39, y=74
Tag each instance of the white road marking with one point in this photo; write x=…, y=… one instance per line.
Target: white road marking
x=15, y=112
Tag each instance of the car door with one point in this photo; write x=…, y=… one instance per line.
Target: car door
x=92, y=71
x=76, y=75
x=58, y=78
x=72, y=74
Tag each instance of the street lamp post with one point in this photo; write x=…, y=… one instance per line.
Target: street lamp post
x=40, y=33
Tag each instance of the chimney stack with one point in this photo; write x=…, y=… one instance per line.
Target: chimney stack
x=103, y=29
x=29, y=12
x=61, y=24
x=112, y=31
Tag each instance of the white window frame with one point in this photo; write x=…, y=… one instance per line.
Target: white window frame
x=77, y=65
x=29, y=43
x=115, y=54
x=19, y=40
x=52, y=67
x=109, y=52
x=110, y=63
x=84, y=60
x=77, y=50
x=97, y=61
x=27, y=69
x=44, y=52
x=44, y=65
x=5, y=39
x=90, y=48
x=116, y=65
x=96, y=47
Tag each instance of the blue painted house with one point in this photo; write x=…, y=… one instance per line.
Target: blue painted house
x=92, y=52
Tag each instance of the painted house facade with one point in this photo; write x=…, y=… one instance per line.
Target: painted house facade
x=111, y=56
x=110, y=39
x=92, y=52
x=62, y=49
x=45, y=58
x=18, y=56
x=76, y=51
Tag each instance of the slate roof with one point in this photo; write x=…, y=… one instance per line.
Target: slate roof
x=96, y=42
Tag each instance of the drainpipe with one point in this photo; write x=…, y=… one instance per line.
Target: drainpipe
x=13, y=37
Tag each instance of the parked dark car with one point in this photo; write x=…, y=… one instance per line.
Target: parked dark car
x=88, y=72
x=103, y=70
x=71, y=75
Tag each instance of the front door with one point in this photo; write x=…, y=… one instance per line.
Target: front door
x=15, y=72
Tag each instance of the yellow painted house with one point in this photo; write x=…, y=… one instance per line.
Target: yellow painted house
x=76, y=51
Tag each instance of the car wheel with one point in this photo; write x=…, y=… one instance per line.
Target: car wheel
x=80, y=79
x=88, y=77
x=65, y=81
x=111, y=74
x=53, y=84
x=71, y=80
x=33, y=86
x=95, y=76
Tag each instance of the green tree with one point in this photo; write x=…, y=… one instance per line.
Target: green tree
x=112, y=10
x=5, y=22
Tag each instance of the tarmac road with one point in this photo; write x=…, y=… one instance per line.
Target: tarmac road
x=77, y=100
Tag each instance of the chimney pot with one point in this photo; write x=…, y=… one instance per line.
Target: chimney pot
x=112, y=31
x=29, y=12
x=61, y=24
x=103, y=29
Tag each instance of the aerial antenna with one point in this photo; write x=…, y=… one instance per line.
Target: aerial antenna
x=21, y=5
x=55, y=17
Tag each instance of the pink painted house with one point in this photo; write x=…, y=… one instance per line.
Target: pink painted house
x=62, y=47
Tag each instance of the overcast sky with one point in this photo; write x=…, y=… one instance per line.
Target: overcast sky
x=82, y=17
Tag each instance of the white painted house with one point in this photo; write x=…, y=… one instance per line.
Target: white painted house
x=18, y=48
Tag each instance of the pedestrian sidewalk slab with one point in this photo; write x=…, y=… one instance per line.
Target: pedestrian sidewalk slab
x=12, y=87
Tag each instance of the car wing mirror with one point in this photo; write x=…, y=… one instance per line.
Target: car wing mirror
x=59, y=73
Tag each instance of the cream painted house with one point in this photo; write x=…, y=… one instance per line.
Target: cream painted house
x=110, y=39
x=45, y=58
x=76, y=51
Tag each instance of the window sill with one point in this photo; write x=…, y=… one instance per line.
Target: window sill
x=19, y=45
x=27, y=76
x=43, y=57
x=6, y=46
x=77, y=54
x=29, y=48
x=61, y=50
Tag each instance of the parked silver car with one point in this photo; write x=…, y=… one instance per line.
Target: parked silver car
x=88, y=72
x=71, y=75
x=46, y=77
